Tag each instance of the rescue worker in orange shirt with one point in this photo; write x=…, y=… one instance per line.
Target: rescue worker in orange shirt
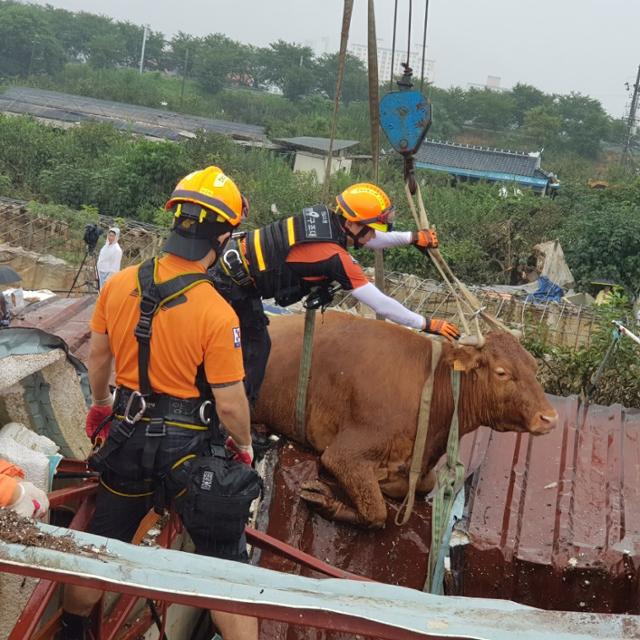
x=19, y=495
x=178, y=371
x=288, y=258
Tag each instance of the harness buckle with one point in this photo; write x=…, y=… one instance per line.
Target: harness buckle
x=156, y=428
x=133, y=397
x=235, y=267
x=148, y=305
x=202, y=412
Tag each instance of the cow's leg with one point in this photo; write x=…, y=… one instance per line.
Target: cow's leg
x=321, y=495
x=356, y=474
x=396, y=485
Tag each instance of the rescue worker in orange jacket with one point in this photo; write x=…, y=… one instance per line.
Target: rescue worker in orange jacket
x=19, y=495
x=178, y=363
x=288, y=258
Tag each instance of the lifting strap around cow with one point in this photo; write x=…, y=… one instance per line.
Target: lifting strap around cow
x=306, y=355
x=420, y=442
x=450, y=478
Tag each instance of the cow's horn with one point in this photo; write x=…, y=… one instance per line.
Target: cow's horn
x=472, y=341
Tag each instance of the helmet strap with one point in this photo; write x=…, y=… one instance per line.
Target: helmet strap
x=218, y=247
x=356, y=237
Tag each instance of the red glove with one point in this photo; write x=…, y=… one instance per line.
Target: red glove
x=425, y=239
x=442, y=328
x=96, y=415
x=242, y=453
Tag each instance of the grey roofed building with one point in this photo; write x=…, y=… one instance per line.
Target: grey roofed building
x=70, y=109
x=481, y=163
x=315, y=145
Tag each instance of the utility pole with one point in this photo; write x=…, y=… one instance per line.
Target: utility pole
x=184, y=74
x=144, y=44
x=631, y=121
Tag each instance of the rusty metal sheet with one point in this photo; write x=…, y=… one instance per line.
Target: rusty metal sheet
x=554, y=521
x=67, y=318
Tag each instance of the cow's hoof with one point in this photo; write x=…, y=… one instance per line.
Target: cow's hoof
x=319, y=495
x=317, y=487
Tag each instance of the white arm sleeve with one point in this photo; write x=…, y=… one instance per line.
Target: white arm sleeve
x=388, y=239
x=387, y=307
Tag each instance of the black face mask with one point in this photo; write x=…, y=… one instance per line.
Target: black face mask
x=218, y=247
x=356, y=237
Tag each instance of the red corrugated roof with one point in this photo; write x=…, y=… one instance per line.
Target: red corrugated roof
x=555, y=520
x=67, y=318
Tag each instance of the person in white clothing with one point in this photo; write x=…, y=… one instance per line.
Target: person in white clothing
x=109, y=257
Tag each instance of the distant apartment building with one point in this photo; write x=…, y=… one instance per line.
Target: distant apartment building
x=384, y=61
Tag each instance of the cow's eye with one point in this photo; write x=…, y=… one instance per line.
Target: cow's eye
x=500, y=372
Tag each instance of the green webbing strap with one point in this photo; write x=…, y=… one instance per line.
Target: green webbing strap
x=422, y=431
x=450, y=479
x=304, y=371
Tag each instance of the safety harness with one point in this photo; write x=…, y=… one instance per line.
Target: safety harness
x=156, y=410
x=265, y=265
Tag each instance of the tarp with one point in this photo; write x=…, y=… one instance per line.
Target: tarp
x=547, y=291
x=552, y=265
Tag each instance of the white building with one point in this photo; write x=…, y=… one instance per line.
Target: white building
x=310, y=154
x=384, y=62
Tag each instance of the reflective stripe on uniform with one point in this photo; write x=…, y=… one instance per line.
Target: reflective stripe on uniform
x=257, y=246
x=291, y=234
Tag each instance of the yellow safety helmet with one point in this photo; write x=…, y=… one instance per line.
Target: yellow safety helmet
x=366, y=204
x=206, y=204
x=213, y=190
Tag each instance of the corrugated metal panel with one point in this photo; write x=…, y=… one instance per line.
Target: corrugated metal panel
x=156, y=122
x=356, y=607
x=555, y=521
x=67, y=318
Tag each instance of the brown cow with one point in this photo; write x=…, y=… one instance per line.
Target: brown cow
x=362, y=407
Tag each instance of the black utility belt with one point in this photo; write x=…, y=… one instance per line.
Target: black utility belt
x=191, y=413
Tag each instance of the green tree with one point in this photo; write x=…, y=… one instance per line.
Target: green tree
x=526, y=98
x=217, y=59
x=106, y=51
x=355, y=85
x=27, y=45
x=291, y=67
x=491, y=109
x=542, y=125
x=584, y=123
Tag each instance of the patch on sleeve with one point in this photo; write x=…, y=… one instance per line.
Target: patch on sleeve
x=236, y=337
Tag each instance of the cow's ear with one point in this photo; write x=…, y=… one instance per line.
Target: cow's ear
x=465, y=359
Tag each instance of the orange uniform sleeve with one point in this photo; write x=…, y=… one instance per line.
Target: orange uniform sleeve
x=353, y=270
x=223, y=354
x=98, y=321
x=9, y=476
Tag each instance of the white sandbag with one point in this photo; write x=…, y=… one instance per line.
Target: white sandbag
x=35, y=464
x=28, y=438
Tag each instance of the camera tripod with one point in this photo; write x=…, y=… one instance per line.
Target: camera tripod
x=94, y=283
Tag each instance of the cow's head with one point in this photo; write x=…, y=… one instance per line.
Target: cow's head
x=500, y=389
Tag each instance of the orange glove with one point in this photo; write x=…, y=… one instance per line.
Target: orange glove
x=242, y=453
x=425, y=239
x=96, y=415
x=442, y=328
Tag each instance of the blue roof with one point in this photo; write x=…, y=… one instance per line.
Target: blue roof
x=480, y=162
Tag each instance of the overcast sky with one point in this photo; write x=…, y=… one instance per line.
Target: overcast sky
x=590, y=46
